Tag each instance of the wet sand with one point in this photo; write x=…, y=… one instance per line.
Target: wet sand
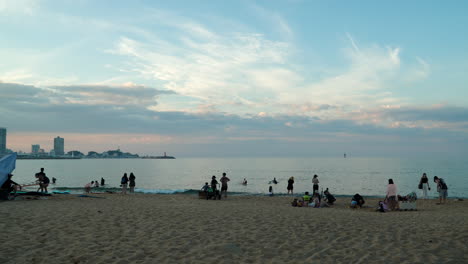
x=145, y=228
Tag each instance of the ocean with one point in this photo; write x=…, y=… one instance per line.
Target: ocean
x=343, y=176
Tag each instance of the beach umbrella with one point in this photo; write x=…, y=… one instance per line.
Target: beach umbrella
x=7, y=165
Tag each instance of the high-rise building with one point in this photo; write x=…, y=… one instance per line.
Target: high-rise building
x=35, y=149
x=3, y=134
x=59, y=146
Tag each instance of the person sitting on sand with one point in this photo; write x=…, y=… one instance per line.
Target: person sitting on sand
x=205, y=187
x=329, y=198
x=306, y=198
x=10, y=185
x=391, y=195
x=88, y=187
x=315, y=202
x=382, y=207
x=441, y=189
x=294, y=202
x=357, y=201
x=290, y=185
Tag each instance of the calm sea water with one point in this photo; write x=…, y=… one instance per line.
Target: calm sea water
x=367, y=176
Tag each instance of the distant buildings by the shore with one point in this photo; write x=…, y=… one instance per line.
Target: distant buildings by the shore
x=58, y=152
x=75, y=154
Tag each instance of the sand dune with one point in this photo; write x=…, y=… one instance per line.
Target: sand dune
x=243, y=229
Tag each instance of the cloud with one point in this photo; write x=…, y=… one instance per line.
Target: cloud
x=27, y=7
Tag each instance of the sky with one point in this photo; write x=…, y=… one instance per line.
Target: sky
x=236, y=78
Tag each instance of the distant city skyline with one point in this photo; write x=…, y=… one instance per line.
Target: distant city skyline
x=235, y=78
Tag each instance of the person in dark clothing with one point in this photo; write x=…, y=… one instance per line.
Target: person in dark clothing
x=214, y=183
x=132, y=182
x=357, y=200
x=40, y=178
x=329, y=198
x=45, y=182
x=124, y=183
x=441, y=189
x=54, y=180
x=10, y=185
x=102, y=181
x=290, y=185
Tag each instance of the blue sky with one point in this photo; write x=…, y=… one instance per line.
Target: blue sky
x=222, y=78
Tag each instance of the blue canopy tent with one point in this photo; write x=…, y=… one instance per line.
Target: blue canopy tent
x=7, y=165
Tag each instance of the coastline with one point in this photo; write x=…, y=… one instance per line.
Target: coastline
x=180, y=228
x=81, y=190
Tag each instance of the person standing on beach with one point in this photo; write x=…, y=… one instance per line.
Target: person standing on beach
x=290, y=185
x=132, y=182
x=315, y=181
x=224, y=186
x=391, y=195
x=102, y=181
x=424, y=185
x=441, y=189
x=40, y=178
x=124, y=183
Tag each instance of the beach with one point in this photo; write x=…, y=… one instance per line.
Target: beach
x=152, y=228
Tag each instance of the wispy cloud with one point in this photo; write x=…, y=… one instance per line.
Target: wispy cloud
x=27, y=7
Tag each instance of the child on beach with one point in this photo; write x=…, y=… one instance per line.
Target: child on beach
x=205, y=187
x=88, y=186
x=315, y=201
x=357, y=201
x=306, y=198
x=270, y=190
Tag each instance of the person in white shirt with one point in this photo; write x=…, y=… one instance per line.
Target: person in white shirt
x=391, y=196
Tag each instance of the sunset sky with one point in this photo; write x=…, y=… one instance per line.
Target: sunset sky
x=236, y=78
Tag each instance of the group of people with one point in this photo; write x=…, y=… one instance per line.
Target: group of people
x=315, y=201
x=42, y=180
x=128, y=181
x=94, y=184
x=357, y=201
x=315, y=184
x=213, y=187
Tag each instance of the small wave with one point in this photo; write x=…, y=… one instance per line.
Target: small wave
x=164, y=191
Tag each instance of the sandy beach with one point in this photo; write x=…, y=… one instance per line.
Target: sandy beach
x=144, y=228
